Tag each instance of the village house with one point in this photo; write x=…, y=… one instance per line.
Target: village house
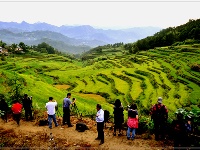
x=18, y=49
x=1, y=49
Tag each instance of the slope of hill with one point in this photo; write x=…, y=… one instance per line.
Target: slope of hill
x=107, y=75
x=31, y=136
x=172, y=35
x=57, y=40
x=139, y=78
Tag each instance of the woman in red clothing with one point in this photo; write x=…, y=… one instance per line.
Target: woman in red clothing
x=16, y=109
x=132, y=121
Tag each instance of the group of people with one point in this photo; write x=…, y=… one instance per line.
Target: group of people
x=17, y=109
x=52, y=106
x=132, y=122
x=118, y=117
x=181, y=127
x=158, y=112
x=159, y=115
x=182, y=131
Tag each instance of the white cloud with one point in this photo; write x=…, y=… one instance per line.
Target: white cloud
x=101, y=14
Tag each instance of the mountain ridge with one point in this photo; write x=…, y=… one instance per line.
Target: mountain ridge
x=78, y=35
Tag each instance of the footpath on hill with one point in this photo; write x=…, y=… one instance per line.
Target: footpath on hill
x=31, y=136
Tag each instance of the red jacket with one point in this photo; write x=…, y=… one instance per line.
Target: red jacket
x=16, y=108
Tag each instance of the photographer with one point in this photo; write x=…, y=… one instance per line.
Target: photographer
x=3, y=108
x=100, y=123
x=66, y=110
x=27, y=105
x=118, y=116
x=51, y=110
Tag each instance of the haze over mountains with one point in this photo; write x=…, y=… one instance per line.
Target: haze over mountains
x=71, y=39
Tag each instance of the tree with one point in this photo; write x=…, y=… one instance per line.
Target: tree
x=17, y=85
x=2, y=44
x=135, y=49
x=49, y=49
x=22, y=46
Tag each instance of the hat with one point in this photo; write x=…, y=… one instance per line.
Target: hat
x=160, y=100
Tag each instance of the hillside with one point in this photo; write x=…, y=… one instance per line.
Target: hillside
x=138, y=78
x=172, y=36
x=102, y=76
x=30, y=135
x=128, y=72
x=56, y=40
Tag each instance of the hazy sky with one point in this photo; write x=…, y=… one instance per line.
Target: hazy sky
x=118, y=14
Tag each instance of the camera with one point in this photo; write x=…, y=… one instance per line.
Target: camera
x=128, y=107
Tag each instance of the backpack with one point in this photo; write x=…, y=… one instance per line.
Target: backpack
x=43, y=122
x=81, y=127
x=106, y=115
x=160, y=114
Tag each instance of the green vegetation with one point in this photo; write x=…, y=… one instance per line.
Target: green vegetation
x=138, y=78
x=188, y=33
x=107, y=73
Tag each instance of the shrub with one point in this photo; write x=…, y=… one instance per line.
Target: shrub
x=195, y=67
x=145, y=125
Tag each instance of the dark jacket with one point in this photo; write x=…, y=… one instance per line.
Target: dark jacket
x=27, y=103
x=3, y=106
x=118, y=115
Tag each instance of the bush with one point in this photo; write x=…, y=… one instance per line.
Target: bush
x=3, y=58
x=195, y=67
x=145, y=125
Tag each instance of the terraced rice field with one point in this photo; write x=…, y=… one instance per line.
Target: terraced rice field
x=140, y=78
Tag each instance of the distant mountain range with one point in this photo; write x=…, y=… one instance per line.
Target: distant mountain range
x=71, y=39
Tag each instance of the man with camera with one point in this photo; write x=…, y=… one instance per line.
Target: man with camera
x=66, y=110
x=51, y=110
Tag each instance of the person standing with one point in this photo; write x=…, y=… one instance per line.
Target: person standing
x=66, y=110
x=100, y=123
x=159, y=115
x=27, y=105
x=178, y=131
x=132, y=121
x=118, y=117
x=16, y=109
x=51, y=110
x=4, y=109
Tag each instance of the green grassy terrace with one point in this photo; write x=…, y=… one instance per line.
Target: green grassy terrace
x=133, y=78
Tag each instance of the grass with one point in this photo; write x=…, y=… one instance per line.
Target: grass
x=54, y=75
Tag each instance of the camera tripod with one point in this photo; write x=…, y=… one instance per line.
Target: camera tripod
x=58, y=112
x=52, y=144
x=74, y=109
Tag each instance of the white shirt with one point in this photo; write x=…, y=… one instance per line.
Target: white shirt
x=100, y=116
x=51, y=107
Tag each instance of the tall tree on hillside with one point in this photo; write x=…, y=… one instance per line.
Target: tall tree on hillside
x=22, y=46
x=17, y=86
x=49, y=49
x=2, y=44
x=12, y=48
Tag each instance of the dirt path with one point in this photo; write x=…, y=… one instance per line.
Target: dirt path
x=28, y=134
